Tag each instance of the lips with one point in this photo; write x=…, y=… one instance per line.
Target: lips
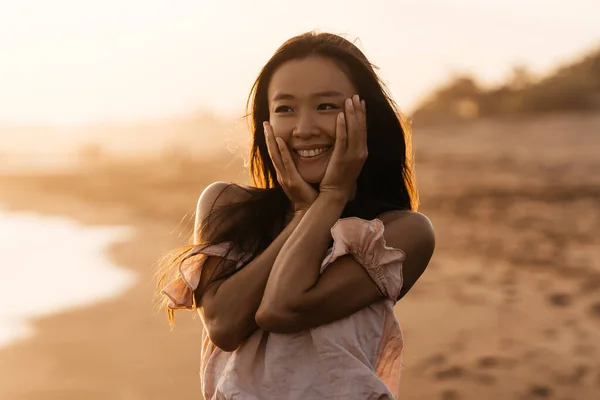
x=312, y=152
x=317, y=157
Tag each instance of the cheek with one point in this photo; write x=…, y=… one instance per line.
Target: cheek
x=282, y=128
x=331, y=125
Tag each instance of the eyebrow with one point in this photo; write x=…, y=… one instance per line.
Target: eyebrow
x=327, y=93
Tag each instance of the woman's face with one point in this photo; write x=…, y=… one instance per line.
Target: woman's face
x=305, y=97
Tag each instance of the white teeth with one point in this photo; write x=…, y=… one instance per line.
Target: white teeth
x=311, y=153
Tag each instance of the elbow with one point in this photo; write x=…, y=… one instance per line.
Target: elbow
x=225, y=343
x=276, y=320
x=223, y=337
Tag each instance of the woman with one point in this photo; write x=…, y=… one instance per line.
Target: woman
x=295, y=279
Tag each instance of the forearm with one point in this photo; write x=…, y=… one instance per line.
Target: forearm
x=297, y=267
x=237, y=299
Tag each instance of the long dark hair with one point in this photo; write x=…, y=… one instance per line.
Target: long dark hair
x=385, y=183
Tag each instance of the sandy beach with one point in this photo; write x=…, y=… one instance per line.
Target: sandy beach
x=509, y=307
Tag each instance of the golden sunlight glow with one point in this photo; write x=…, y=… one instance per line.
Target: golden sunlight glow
x=66, y=62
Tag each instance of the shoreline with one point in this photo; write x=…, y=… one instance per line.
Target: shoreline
x=18, y=324
x=77, y=351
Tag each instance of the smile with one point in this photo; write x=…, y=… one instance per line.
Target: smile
x=312, y=153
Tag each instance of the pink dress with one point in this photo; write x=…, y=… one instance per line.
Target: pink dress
x=357, y=357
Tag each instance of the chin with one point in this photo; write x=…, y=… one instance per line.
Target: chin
x=312, y=173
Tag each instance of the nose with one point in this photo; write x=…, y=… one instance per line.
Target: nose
x=305, y=126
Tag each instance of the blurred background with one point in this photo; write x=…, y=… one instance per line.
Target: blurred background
x=115, y=115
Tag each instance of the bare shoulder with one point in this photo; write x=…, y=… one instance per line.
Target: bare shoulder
x=214, y=196
x=413, y=233
x=409, y=227
x=218, y=194
x=408, y=219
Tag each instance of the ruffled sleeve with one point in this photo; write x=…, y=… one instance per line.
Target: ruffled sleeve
x=364, y=240
x=180, y=291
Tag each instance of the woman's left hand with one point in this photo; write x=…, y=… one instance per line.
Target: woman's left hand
x=349, y=152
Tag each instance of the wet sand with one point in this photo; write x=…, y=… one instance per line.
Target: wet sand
x=509, y=307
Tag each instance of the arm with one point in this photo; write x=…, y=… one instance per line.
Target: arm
x=229, y=306
x=297, y=297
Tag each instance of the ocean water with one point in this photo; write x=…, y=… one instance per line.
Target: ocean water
x=52, y=264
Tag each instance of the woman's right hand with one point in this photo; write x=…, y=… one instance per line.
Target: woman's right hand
x=300, y=193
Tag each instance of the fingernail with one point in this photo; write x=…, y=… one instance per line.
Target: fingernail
x=349, y=102
x=356, y=98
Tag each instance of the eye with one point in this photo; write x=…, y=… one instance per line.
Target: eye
x=283, y=109
x=328, y=106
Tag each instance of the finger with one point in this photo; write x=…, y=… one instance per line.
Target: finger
x=360, y=130
x=361, y=120
x=288, y=162
x=359, y=107
x=356, y=127
x=351, y=125
x=341, y=137
x=273, y=148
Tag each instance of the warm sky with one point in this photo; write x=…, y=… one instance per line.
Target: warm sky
x=67, y=62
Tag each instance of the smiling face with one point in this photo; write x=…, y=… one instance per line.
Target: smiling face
x=305, y=97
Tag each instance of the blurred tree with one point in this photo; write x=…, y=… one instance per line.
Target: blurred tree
x=574, y=87
x=520, y=78
x=458, y=99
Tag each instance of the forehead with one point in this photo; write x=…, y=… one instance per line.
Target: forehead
x=310, y=75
